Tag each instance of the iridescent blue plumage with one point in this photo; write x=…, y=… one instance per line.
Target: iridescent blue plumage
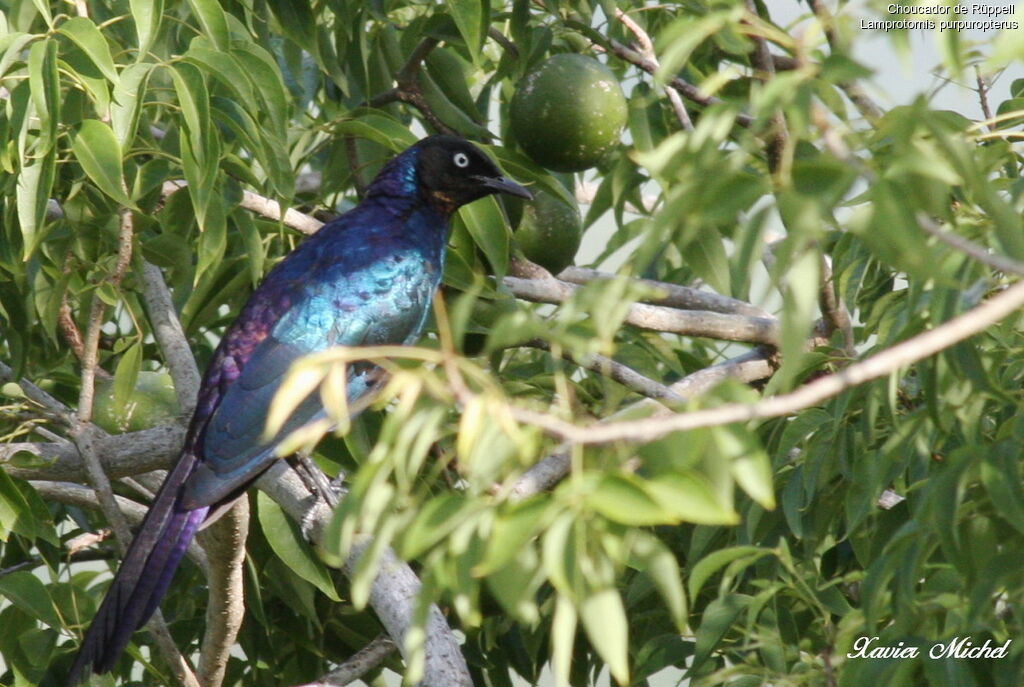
x=367, y=278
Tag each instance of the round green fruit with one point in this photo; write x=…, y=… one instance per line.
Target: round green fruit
x=151, y=403
x=550, y=231
x=568, y=113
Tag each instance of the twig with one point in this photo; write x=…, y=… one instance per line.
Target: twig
x=83, y=433
x=647, y=52
x=979, y=253
x=833, y=309
x=362, y=662
x=409, y=90
x=749, y=367
x=658, y=318
x=502, y=40
x=861, y=100
x=983, y=87
x=888, y=361
x=688, y=90
x=77, y=495
x=84, y=556
x=52, y=407
x=777, y=145
x=616, y=371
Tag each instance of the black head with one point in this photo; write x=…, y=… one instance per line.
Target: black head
x=452, y=172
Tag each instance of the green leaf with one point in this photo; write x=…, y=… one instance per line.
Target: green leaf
x=88, y=37
x=44, y=82
x=378, y=128
x=470, y=17
x=512, y=531
x=225, y=68
x=27, y=592
x=625, y=499
x=706, y=255
x=12, y=48
x=486, y=224
x=655, y=560
x=716, y=620
x=435, y=521
x=99, y=154
x=214, y=22
x=126, y=374
x=749, y=463
x=32, y=195
x=124, y=112
x=288, y=545
x=1000, y=473
x=691, y=497
x=710, y=564
x=604, y=620
x=194, y=100
x=563, y=635
x=148, y=14
x=262, y=70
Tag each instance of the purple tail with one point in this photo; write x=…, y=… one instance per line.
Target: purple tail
x=144, y=575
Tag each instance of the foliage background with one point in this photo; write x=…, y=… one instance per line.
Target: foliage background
x=750, y=553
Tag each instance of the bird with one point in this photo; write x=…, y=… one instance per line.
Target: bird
x=366, y=278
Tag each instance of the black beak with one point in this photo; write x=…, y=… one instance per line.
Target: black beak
x=503, y=185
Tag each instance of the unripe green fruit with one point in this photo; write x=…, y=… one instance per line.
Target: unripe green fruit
x=568, y=113
x=550, y=231
x=152, y=403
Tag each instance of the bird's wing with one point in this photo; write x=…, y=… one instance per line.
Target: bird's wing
x=385, y=303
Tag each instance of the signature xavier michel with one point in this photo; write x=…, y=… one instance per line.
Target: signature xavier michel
x=958, y=647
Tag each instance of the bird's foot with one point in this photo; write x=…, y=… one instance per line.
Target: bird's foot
x=316, y=481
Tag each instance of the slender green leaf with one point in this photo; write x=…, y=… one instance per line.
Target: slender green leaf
x=99, y=154
x=44, y=83
x=604, y=620
x=657, y=562
x=27, y=592
x=625, y=499
x=124, y=112
x=289, y=546
x=126, y=374
x=486, y=224
x=32, y=195
x=214, y=22
x=148, y=15
x=88, y=37
x=471, y=18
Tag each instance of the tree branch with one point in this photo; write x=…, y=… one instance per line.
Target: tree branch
x=658, y=318
x=672, y=295
x=888, y=361
x=395, y=589
x=171, y=337
x=224, y=542
x=362, y=662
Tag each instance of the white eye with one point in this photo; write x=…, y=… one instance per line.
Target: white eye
x=460, y=160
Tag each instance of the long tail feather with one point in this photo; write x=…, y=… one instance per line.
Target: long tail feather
x=144, y=575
